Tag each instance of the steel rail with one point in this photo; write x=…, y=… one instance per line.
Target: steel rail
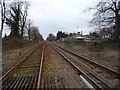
x=90, y=71
x=6, y=75
x=40, y=69
x=81, y=72
x=89, y=60
x=103, y=79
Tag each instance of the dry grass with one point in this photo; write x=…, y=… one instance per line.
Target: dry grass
x=15, y=43
x=105, y=53
x=11, y=49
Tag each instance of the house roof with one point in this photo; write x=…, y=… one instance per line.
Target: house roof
x=80, y=37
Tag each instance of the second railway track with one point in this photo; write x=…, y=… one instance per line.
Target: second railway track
x=102, y=76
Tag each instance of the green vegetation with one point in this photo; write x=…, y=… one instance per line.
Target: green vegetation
x=51, y=37
x=23, y=72
x=27, y=70
x=15, y=16
x=11, y=56
x=61, y=34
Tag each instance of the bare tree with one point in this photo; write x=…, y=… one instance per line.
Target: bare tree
x=106, y=32
x=24, y=14
x=34, y=33
x=13, y=18
x=2, y=5
x=28, y=27
x=16, y=17
x=108, y=15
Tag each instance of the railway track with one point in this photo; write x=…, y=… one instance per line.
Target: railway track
x=99, y=76
x=26, y=74
x=59, y=73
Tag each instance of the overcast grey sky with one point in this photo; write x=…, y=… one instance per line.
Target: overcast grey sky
x=65, y=15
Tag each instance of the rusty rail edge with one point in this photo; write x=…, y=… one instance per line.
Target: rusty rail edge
x=40, y=69
x=8, y=73
x=90, y=60
x=90, y=71
x=95, y=85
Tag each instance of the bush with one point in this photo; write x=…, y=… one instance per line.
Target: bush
x=15, y=43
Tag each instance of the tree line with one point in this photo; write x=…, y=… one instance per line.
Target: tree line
x=61, y=35
x=106, y=18
x=15, y=16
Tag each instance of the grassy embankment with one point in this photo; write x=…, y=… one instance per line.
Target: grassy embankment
x=11, y=49
x=104, y=51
